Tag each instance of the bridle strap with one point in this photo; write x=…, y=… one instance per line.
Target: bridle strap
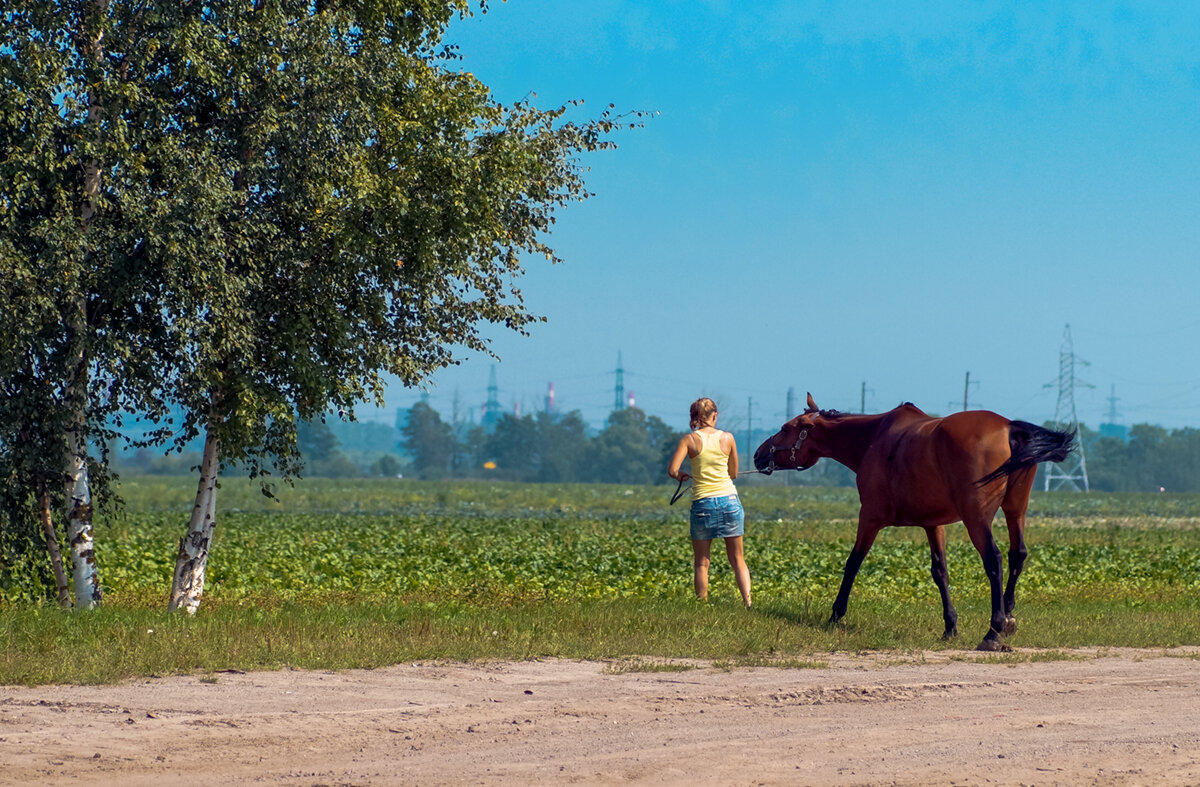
x=771, y=466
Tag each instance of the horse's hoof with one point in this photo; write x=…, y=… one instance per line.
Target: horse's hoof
x=950, y=633
x=994, y=646
x=1010, y=626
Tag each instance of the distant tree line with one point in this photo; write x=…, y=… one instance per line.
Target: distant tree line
x=321, y=453
x=633, y=448
x=1152, y=459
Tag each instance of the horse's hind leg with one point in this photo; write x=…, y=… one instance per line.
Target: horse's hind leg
x=1016, y=500
x=1016, y=562
x=862, y=545
x=980, y=531
x=941, y=577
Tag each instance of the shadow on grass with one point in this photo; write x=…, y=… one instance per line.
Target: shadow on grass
x=802, y=615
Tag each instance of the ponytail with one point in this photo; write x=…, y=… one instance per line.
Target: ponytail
x=703, y=412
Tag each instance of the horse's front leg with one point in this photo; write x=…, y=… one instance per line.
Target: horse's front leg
x=941, y=577
x=862, y=545
x=980, y=531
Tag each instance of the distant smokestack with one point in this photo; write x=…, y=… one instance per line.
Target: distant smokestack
x=631, y=399
x=550, y=399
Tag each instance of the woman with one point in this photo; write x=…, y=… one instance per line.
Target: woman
x=716, y=509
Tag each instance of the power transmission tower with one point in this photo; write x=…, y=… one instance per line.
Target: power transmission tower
x=1071, y=473
x=1112, y=405
x=491, y=408
x=1111, y=427
x=749, y=426
x=862, y=402
x=619, y=391
x=791, y=403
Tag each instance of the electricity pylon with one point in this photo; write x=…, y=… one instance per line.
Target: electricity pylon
x=619, y=388
x=1071, y=473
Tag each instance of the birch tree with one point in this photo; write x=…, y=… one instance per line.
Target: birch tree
x=58, y=365
x=360, y=208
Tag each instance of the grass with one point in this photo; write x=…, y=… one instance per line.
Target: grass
x=45, y=645
x=585, y=572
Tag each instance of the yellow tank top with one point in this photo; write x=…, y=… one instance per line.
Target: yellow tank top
x=710, y=469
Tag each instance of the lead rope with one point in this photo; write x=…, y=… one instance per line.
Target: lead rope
x=679, y=490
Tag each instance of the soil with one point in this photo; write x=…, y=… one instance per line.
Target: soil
x=1107, y=717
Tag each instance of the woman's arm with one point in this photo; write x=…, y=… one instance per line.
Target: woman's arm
x=681, y=451
x=733, y=460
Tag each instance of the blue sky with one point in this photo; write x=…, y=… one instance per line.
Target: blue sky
x=834, y=194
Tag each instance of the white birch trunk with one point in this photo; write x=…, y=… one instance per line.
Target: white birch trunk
x=79, y=493
x=62, y=588
x=79, y=524
x=192, y=561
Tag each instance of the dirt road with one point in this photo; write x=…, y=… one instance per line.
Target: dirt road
x=1109, y=717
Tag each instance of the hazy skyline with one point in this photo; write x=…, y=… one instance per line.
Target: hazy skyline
x=834, y=194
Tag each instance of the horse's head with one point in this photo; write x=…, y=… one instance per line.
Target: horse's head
x=790, y=448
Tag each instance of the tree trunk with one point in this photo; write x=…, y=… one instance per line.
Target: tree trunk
x=62, y=589
x=79, y=523
x=192, y=561
x=79, y=493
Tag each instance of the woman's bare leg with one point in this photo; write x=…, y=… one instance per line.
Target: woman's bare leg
x=700, y=552
x=737, y=561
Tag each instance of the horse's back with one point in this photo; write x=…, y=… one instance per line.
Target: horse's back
x=899, y=480
x=923, y=468
x=976, y=432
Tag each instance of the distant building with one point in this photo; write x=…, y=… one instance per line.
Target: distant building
x=1119, y=431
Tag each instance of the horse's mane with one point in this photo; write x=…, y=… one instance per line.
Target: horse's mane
x=834, y=414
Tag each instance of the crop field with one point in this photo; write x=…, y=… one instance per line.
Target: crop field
x=364, y=573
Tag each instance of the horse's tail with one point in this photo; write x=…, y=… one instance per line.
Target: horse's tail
x=1031, y=444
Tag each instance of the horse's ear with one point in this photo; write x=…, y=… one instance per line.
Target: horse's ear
x=812, y=406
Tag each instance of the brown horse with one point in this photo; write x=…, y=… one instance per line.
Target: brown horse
x=927, y=472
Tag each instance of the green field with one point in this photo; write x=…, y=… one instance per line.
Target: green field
x=365, y=573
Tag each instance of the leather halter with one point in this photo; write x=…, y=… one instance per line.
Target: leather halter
x=771, y=466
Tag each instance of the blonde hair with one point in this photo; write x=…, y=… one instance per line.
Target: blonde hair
x=703, y=412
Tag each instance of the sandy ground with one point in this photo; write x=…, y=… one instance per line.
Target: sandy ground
x=1105, y=717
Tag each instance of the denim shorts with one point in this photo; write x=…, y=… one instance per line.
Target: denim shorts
x=717, y=517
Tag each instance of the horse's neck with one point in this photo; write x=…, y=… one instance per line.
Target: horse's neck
x=848, y=438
